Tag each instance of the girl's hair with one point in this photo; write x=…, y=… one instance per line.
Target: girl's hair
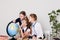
x=27, y=21
x=34, y=16
x=23, y=12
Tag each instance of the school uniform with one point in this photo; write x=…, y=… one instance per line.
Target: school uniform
x=37, y=30
x=25, y=29
x=18, y=20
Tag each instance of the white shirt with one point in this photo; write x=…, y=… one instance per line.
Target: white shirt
x=28, y=30
x=37, y=29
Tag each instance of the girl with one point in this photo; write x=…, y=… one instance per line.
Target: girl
x=37, y=31
x=22, y=14
x=25, y=28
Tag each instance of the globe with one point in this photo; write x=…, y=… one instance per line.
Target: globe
x=12, y=29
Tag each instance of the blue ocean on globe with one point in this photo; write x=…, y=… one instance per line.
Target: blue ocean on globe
x=13, y=29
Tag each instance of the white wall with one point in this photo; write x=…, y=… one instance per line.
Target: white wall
x=9, y=10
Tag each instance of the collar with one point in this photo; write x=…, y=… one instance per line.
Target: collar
x=34, y=23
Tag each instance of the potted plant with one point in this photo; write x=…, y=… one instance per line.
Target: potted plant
x=55, y=25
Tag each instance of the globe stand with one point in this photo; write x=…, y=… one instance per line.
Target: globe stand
x=13, y=39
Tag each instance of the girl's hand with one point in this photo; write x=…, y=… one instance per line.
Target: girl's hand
x=14, y=20
x=34, y=38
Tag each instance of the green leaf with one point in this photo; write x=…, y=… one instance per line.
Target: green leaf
x=53, y=12
x=52, y=18
x=58, y=10
x=58, y=25
x=57, y=14
x=49, y=13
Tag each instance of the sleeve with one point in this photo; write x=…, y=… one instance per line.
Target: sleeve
x=39, y=31
x=17, y=20
x=28, y=30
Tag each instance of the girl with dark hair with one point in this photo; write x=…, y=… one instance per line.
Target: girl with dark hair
x=22, y=14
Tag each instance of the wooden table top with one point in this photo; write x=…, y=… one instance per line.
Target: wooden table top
x=3, y=37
